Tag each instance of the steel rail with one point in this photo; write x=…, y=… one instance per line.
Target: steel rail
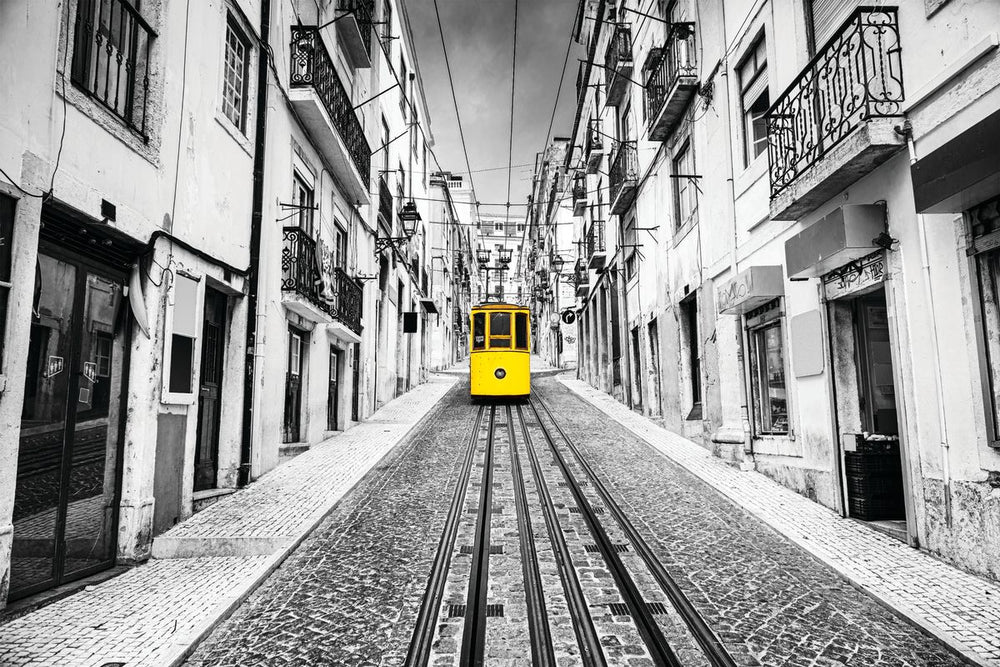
x=542, y=653
x=710, y=643
x=589, y=643
x=474, y=631
x=423, y=632
x=649, y=630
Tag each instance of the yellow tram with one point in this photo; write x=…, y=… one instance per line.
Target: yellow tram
x=499, y=353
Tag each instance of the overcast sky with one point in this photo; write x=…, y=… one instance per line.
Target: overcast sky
x=479, y=36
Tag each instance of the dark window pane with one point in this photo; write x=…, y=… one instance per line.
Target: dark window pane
x=478, y=331
x=503, y=341
x=180, y=364
x=521, y=331
x=499, y=324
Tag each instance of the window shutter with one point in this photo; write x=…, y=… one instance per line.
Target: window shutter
x=827, y=17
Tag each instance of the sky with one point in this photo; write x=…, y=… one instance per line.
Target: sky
x=479, y=37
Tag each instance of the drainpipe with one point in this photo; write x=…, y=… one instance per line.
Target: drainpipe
x=253, y=355
x=925, y=264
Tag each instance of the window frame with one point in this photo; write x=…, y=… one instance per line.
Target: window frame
x=757, y=323
x=303, y=196
x=682, y=163
x=233, y=28
x=756, y=56
x=167, y=394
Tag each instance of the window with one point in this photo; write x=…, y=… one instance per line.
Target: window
x=111, y=48
x=387, y=20
x=520, y=329
x=302, y=198
x=403, y=84
x=754, y=101
x=685, y=189
x=520, y=227
x=184, y=330
x=498, y=226
x=7, y=205
x=383, y=147
x=339, y=247
x=103, y=351
x=478, y=331
x=294, y=354
x=985, y=223
x=235, y=76
x=767, y=370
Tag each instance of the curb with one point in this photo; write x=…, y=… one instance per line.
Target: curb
x=899, y=609
x=226, y=609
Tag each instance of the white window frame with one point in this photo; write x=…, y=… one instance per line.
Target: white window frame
x=167, y=396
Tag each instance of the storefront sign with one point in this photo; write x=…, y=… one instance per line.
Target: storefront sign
x=750, y=288
x=856, y=276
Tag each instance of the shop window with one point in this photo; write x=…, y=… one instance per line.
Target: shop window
x=755, y=100
x=6, y=261
x=767, y=370
x=985, y=224
x=184, y=330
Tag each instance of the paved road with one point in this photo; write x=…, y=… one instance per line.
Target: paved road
x=351, y=593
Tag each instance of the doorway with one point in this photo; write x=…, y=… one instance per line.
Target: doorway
x=206, y=457
x=333, y=389
x=867, y=413
x=292, y=424
x=68, y=469
x=636, y=370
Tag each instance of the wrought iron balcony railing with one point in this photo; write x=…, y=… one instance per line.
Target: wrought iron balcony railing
x=618, y=64
x=593, y=145
x=595, y=238
x=313, y=67
x=385, y=210
x=111, y=54
x=623, y=177
x=336, y=293
x=669, y=80
x=856, y=76
x=579, y=194
x=364, y=11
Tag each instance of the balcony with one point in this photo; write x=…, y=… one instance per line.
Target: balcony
x=354, y=30
x=324, y=106
x=579, y=195
x=316, y=291
x=623, y=178
x=671, y=80
x=385, y=203
x=834, y=124
x=596, y=254
x=593, y=145
x=618, y=64
x=582, y=280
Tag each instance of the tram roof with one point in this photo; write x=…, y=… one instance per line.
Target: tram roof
x=499, y=306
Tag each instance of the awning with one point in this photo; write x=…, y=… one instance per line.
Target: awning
x=841, y=237
x=962, y=173
x=750, y=288
x=429, y=305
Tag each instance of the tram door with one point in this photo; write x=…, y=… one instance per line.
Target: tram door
x=66, y=498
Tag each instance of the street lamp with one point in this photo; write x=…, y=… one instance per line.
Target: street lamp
x=410, y=218
x=557, y=263
x=504, y=255
x=482, y=256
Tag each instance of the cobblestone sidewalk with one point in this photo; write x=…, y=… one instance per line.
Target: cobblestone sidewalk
x=155, y=613
x=958, y=608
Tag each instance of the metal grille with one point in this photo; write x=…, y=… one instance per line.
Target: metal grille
x=456, y=610
x=494, y=611
x=619, y=609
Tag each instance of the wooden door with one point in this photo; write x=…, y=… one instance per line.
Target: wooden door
x=206, y=461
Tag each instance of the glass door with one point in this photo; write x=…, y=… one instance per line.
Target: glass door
x=65, y=504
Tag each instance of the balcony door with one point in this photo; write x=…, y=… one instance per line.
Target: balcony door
x=68, y=465
x=292, y=425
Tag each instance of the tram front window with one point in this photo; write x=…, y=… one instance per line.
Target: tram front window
x=500, y=330
x=479, y=331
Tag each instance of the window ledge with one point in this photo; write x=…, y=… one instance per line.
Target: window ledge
x=233, y=131
x=149, y=151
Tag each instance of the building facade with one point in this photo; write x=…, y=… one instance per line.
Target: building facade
x=785, y=211
x=209, y=258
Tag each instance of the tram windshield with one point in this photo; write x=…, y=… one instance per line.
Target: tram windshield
x=499, y=329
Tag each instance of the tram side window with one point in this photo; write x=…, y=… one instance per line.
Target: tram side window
x=478, y=331
x=500, y=330
x=521, y=331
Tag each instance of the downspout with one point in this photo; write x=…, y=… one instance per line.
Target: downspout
x=925, y=265
x=253, y=355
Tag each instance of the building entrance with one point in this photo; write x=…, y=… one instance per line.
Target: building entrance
x=66, y=499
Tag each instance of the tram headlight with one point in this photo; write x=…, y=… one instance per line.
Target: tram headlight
x=500, y=373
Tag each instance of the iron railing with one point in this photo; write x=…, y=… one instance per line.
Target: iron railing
x=624, y=169
x=385, y=202
x=595, y=238
x=312, y=67
x=619, y=47
x=111, y=54
x=364, y=11
x=340, y=297
x=594, y=140
x=579, y=188
x=676, y=59
x=857, y=75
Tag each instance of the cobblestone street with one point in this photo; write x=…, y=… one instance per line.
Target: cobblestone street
x=355, y=592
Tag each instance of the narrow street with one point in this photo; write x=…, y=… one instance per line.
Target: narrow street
x=546, y=534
